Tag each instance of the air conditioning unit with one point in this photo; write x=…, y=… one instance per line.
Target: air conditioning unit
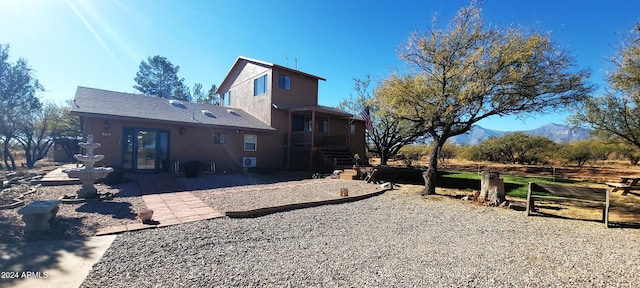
x=248, y=162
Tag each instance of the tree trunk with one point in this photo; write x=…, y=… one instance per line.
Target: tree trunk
x=5, y=159
x=8, y=156
x=491, y=189
x=384, y=158
x=27, y=152
x=431, y=174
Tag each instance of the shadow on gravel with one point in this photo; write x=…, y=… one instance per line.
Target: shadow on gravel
x=117, y=210
x=625, y=225
x=612, y=224
x=542, y=214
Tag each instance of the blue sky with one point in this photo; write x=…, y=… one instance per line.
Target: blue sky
x=100, y=44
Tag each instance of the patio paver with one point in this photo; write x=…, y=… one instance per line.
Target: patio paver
x=170, y=204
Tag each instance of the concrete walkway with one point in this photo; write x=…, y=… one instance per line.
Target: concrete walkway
x=57, y=177
x=66, y=263
x=58, y=263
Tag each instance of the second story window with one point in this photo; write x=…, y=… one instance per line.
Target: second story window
x=301, y=123
x=323, y=125
x=226, y=97
x=260, y=85
x=284, y=82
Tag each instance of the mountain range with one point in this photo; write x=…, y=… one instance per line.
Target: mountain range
x=557, y=132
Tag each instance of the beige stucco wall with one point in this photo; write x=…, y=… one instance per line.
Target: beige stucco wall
x=241, y=88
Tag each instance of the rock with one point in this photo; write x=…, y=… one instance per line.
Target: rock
x=386, y=185
x=145, y=215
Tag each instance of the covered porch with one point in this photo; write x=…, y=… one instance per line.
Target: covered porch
x=322, y=138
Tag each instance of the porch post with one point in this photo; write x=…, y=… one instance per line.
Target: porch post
x=313, y=133
x=288, y=156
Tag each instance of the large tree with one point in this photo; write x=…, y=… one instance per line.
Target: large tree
x=68, y=129
x=158, y=77
x=468, y=72
x=615, y=115
x=211, y=97
x=38, y=132
x=18, y=100
x=387, y=132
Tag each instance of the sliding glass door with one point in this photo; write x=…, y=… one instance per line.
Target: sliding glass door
x=145, y=150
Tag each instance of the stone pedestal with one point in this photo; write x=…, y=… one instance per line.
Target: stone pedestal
x=38, y=214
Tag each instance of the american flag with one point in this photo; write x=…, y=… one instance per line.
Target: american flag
x=367, y=118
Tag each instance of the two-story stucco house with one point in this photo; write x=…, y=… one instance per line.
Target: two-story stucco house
x=269, y=118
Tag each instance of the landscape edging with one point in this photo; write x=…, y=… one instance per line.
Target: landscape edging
x=289, y=207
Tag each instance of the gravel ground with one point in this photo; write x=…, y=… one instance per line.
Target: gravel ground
x=75, y=220
x=394, y=240
x=249, y=197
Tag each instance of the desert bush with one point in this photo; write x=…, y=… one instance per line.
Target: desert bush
x=413, y=152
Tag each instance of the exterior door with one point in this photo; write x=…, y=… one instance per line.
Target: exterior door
x=145, y=150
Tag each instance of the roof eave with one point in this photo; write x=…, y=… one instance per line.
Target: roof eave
x=263, y=63
x=160, y=121
x=313, y=108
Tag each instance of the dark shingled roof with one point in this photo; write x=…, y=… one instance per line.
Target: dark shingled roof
x=110, y=104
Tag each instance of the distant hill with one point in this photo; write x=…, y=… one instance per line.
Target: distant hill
x=556, y=132
x=560, y=133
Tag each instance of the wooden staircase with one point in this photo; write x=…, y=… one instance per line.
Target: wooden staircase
x=338, y=157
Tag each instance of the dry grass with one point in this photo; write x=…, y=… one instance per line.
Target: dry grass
x=624, y=209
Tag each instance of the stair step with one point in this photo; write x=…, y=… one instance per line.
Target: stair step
x=337, y=157
x=349, y=172
x=348, y=176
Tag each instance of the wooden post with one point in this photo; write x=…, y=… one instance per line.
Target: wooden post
x=491, y=188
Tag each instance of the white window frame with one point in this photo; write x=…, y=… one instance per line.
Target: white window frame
x=251, y=139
